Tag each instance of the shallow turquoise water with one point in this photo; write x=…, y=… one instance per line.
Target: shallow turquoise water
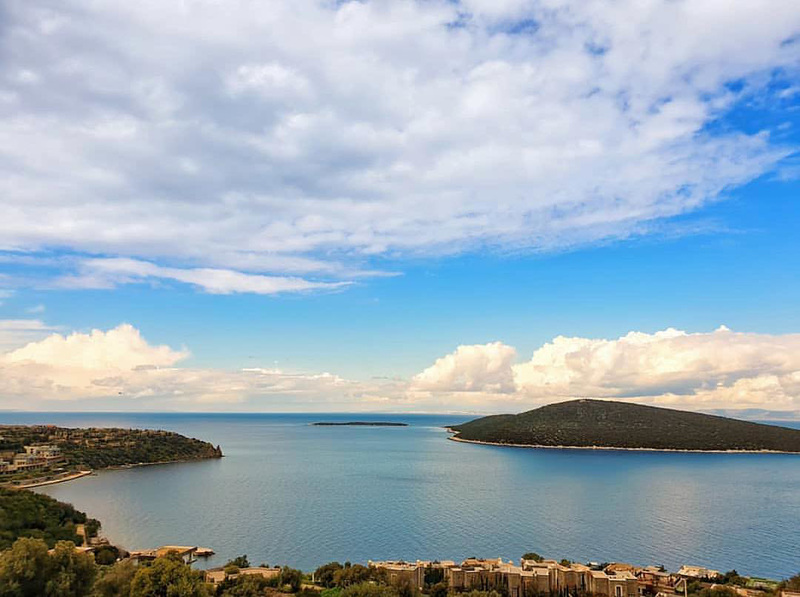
x=291, y=493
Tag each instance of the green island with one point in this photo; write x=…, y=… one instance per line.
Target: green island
x=49, y=549
x=623, y=425
x=43, y=454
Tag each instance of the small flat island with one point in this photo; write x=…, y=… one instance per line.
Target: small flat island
x=359, y=424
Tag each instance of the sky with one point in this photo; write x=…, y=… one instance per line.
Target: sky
x=411, y=206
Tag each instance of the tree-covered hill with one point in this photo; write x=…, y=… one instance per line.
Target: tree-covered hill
x=96, y=448
x=27, y=514
x=603, y=423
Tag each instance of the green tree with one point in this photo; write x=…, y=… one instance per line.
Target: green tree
x=28, y=570
x=326, y=575
x=439, y=590
x=366, y=589
x=433, y=575
x=791, y=584
x=106, y=555
x=353, y=574
x=239, y=562
x=532, y=555
x=732, y=578
x=406, y=588
x=246, y=585
x=116, y=581
x=92, y=527
x=168, y=577
x=24, y=569
x=27, y=514
x=291, y=578
x=71, y=572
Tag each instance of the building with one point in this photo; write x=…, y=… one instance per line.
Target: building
x=400, y=572
x=34, y=458
x=697, y=572
x=655, y=581
x=534, y=578
x=217, y=575
x=186, y=553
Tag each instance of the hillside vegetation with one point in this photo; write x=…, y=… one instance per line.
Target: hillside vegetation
x=602, y=423
x=97, y=448
x=27, y=514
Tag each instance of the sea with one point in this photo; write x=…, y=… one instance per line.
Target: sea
x=291, y=493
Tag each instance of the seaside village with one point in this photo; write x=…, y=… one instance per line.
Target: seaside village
x=33, y=459
x=532, y=577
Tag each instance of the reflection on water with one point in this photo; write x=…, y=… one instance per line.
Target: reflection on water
x=288, y=492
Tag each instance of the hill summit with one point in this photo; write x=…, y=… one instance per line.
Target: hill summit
x=612, y=424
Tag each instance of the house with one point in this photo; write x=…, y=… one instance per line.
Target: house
x=217, y=575
x=186, y=553
x=698, y=572
x=652, y=580
x=34, y=458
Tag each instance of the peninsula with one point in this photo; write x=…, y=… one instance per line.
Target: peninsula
x=359, y=424
x=44, y=454
x=623, y=425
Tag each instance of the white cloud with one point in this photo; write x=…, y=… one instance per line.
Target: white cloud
x=308, y=138
x=717, y=370
x=485, y=368
x=270, y=80
x=18, y=332
x=121, y=348
x=118, y=369
x=110, y=272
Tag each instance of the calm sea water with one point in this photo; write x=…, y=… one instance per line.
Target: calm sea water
x=291, y=493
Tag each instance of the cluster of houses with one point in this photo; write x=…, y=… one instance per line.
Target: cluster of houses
x=187, y=553
x=531, y=578
x=549, y=577
x=34, y=458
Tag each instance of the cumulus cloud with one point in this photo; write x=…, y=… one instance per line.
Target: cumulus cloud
x=252, y=138
x=119, y=369
x=716, y=370
x=18, y=332
x=121, y=348
x=485, y=368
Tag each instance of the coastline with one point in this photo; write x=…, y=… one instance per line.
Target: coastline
x=611, y=448
x=86, y=473
x=119, y=467
x=71, y=477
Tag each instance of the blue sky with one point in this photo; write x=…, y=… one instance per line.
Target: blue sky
x=417, y=212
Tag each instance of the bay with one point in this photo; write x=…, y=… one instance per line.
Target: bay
x=291, y=493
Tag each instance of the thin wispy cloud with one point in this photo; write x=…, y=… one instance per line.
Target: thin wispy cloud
x=275, y=147
x=112, y=272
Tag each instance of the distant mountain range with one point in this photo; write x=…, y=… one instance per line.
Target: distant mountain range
x=610, y=424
